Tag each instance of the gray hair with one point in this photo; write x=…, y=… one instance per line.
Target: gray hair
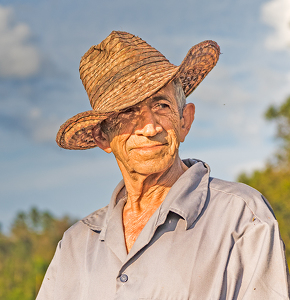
x=179, y=95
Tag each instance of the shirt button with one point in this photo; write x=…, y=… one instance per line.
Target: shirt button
x=124, y=278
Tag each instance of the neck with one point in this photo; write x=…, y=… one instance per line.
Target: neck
x=145, y=194
x=150, y=190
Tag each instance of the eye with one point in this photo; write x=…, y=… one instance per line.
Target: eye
x=126, y=115
x=161, y=107
x=128, y=110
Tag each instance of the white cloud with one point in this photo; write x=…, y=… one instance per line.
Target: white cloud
x=18, y=56
x=276, y=13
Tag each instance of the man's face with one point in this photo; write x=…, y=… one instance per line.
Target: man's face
x=145, y=138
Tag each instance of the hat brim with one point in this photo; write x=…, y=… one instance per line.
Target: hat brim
x=198, y=62
x=76, y=132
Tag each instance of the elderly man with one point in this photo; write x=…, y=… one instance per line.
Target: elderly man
x=170, y=230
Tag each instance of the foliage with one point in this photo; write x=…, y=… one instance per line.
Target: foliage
x=282, y=117
x=27, y=251
x=274, y=180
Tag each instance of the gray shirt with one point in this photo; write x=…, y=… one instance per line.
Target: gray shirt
x=209, y=239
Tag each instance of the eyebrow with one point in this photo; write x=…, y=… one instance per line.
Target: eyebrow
x=159, y=97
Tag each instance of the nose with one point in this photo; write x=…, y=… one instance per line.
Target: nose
x=147, y=124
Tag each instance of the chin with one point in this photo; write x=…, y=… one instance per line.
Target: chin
x=153, y=166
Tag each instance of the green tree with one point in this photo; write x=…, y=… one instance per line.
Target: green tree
x=273, y=180
x=27, y=251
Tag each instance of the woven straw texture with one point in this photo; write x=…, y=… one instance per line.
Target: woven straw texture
x=124, y=70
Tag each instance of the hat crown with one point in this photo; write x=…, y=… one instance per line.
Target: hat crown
x=111, y=67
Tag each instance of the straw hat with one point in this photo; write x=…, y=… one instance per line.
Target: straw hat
x=124, y=70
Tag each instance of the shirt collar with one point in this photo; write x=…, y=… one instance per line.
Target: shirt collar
x=188, y=194
x=186, y=198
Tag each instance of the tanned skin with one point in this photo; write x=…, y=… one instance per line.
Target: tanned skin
x=145, y=139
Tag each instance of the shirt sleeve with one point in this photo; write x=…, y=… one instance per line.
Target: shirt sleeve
x=46, y=291
x=257, y=268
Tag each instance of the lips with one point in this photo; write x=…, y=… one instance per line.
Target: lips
x=148, y=147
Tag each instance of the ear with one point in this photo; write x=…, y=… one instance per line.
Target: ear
x=186, y=120
x=101, y=139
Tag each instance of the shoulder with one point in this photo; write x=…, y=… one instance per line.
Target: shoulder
x=234, y=189
x=243, y=196
x=94, y=221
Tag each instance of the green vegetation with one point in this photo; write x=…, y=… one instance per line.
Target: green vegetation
x=27, y=251
x=273, y=180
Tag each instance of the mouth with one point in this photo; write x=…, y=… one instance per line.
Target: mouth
x=150, y=146
x=144, y=148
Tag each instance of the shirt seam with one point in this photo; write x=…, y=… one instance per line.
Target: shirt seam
x=232, y=194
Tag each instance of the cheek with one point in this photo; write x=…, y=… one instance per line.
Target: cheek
x=173, y=133
x=118, y=146
x=173, y=140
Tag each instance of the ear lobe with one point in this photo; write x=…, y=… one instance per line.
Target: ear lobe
x=187, y=119
x=101, y=139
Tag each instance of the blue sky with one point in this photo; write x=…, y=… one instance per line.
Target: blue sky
x=41, y=43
